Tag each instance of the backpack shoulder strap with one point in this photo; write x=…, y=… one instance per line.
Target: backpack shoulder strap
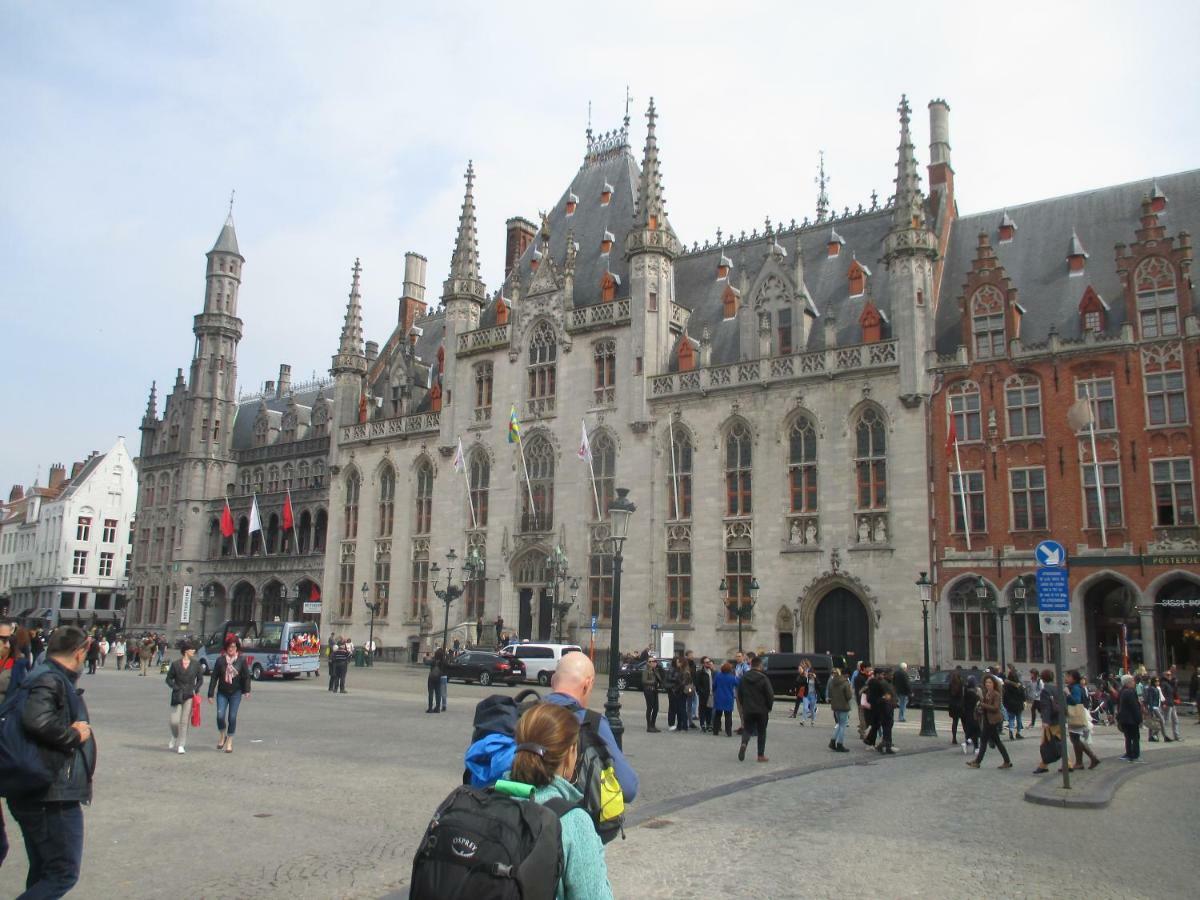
x=560, y=806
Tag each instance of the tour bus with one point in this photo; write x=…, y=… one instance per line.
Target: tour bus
x=273, y=649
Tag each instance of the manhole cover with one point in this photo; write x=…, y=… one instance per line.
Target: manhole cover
x=263, y=815
x=657, y=823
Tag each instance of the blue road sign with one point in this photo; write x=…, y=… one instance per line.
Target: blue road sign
x=593, y=624
x=1054, y=593
x=1051, y=554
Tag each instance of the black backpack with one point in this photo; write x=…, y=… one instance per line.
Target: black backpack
x=484, y=845
x=23, y=769
x=594, y=759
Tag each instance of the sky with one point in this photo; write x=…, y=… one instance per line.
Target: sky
x=345, y=130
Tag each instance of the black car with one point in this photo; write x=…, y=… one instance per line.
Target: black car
x=629, y=678
x=939, y=685
x=485, y=667
x=781, y=670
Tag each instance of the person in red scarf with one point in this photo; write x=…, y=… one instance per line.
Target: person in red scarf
x=230, y=682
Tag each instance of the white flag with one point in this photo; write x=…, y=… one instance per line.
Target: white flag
x=585, y=448
x=1079, y=416
x=255, y=521
x=460, y=460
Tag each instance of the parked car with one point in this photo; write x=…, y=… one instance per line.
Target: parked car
x=485, y=667
x=939, y=684
x=540, y=659
x=629, y=678
x=781, y=670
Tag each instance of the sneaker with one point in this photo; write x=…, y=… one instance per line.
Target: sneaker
x=971, y=764
x=1020, y=736
x=832, y=744
x=652, y=730
x=673, y=728
x=181, y=750
x=1006, y=765
x=840, y=749
x=742, y=753
x=890, y=751
x=964, y=747
x=763, y=759
x=171, y=746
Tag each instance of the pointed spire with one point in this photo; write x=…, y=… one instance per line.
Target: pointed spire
x=822, y=181
x=350, y=356
x=909, y=202
x=651, y=209
x=464, y=280
x=152, y=404
x=227, y=239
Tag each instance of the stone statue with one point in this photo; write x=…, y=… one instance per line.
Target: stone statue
x=864, y=531
x=810, y=532
x=795, y=536
x=881, y=530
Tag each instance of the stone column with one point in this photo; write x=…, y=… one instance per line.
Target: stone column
x=1149, y=643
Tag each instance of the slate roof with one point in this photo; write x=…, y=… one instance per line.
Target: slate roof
x=247, y=413
x=89, y=467
x=1036, y=259
x=227, y=239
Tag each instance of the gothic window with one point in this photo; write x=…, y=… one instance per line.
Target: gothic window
x=272, y=533
x=350, y=508
x=970, y=483
x=1028, y=495
x=273, y=479
x=604, y=364
x=424, y=498
x=1174, y=502
x=604, y=468
x=600, y=585
x=870, y=460
x=258, y=480
x=474, y=595
x=261, y=429
x=483, y=388
x=987, y=322
x=1099, y=391
x=965, y=407
x=419, y=587
x=383, y=575
x=1110, y=488
x=148, y=490
x=164, y=489
x=1166, y=402
x=173, y=435
x=783, y=332
x=679, y=583
x=304, y=532
x=387, y=501
x=802, y=465
x=287, y=477
x=539, y=457
x=319, y=531
x=972, y=623
x=738, y=456
x=480, y=470
x=244, y=478
x=1023, y=403
x=739, y=568
x=543, y=353
x=1157, y=301
x=346, y=582
x=302, y=475
x=243, y=535
x=679, y=485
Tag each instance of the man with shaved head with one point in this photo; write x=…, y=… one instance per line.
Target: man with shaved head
x=573, y=682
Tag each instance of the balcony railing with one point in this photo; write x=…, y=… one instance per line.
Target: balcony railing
x=421, y=423
x=598, y=314
x=484, y=339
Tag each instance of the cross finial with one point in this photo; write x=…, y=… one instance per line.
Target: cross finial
x=628, y=100
x=231, y=195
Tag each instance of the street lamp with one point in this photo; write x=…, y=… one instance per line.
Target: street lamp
x=737, y=607
x=452, y=592
x=620, y=510
x=928, y=728
x=1000, y=605
x=556, y=565
x=374, y=610
x=283, y=601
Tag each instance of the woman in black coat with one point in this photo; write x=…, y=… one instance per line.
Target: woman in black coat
x=184, y=677
x=970, y=699
x=230, y=682
x=955, y=704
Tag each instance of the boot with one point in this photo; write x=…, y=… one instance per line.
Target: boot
x=840, y=748
x=742, y=751
x=221, y=742
x=832, y=744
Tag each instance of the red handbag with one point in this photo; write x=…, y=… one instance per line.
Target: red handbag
x=196, y=711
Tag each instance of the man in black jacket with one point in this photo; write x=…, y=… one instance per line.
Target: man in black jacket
x=756, y=697
x=652, y=680
x=1129, y=719
x=56, y=719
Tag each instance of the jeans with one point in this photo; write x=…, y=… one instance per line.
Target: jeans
x=903, y=698
x=181, y=717
x=228, y=703
x=706, y=715
x=1170, y=722
x=716, y=722
x=651, y=708
x=991, y=734
x=1014, y=721
x=442, y=690
x=810, y=706
x=1133, y=740
x=693, y=705
x=842, y=718
x=435, y=696
x=53, y=835
x=756, y=726
x=677, y=711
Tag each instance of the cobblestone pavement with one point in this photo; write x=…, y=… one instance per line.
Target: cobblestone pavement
x=326, y=796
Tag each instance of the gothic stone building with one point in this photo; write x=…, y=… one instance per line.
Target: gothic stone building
x=764, y=399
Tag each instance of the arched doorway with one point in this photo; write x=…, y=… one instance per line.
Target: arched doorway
x=1112, y=625
x=307, y=591
x=535, y=609
x=212, y=607
x=841, y=627
x=272, y=602
x=1177, y=608
x=242, y=608
x=784, y=630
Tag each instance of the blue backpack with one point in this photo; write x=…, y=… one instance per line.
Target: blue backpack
x=22, y=768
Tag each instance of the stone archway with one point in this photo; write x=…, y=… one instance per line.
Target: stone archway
x=534, y=606
x=841, y=627
x=865, y=616
x=242, y=607
x=785, y=630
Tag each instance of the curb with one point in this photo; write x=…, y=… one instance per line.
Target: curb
x=1098, y=792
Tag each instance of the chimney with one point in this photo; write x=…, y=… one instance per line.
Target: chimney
x=16, y=493
x=284, y=385
x=58, y=474
x=76, y=468
x=269, y=387
x=412, y=304
x=520, y=234
x=941, y=173
x=372, y=351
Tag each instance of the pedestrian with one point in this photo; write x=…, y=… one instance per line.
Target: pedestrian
x=93, y=656
x=903, y=689
x=757, y=697
x=1078, y=719
x=679, y=692
x=184, y=678
x=652, y=680
x=14, y=643
x=841, y=695
x=954, y=703
x=992, y=718
x=230, y=682
x=547, y=739
x=146, y=654
x=499, y=630
x=881, y=700
x=1152, y=700
x=702, y=681
x=859, y=680
x=1194, y=687
x=1170, y=695
x=1033, y=690
x=1051, y=713
x=160, y=644
x=1013, y=697
x=799, y=688
x=104, y=647
x=118, y=649
x=970, y=723
x=433, y=682
x=693, y=698
x=1129, y=719
x=339, y=665
x=724, y=691
x=55, y=718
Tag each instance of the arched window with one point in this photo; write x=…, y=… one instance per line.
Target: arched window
x=287, y=477
x=350, y=510
x=318, y=473
x=387, y=501
x=604, y=364
x=258, y=481
x=243, y=535
x=973, y=621
x=302, y=475
x=383, y=576
x=481, y=475
x=1023, y=403
x=319, y=531
x=148, y=491
x=304, y=532
x=870, y=460
x=604, y=466
x=424, y=498
x=272, y=533
x=543, y=355
x=1157, y=301
x=987, y=322
x=802, y=465
x=244, y=479
x=539, y=456
x=679, y=484
x=273, y=478
x=965, y=407
x=738, y=458
x=483, y=391
x=164, y=489
x=214, y=538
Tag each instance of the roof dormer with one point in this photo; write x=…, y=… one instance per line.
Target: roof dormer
x=871, y=321
x=856, y=275
x=1076, y=255
x=606, y=193
x=723, y=267
x=833, y=246
x=1008, y=228
x=1093, y=312
x=609, y=282
x=572, y=202
x=606, y=242
x=1158, y=200
x=730, y=301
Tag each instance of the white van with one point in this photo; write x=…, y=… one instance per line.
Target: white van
x=540, y=659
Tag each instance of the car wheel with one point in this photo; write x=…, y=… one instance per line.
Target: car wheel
x=544, y=679
x=621, y=683
x=485, y=678
x=257, y=672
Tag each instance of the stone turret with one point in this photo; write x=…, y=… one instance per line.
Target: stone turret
x=464, y=293
x=350, y=362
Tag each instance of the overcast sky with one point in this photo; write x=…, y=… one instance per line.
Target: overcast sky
x=345, y=129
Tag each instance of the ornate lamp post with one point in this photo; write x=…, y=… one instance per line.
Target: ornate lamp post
x=373, y=608
x=737, y=607
x=928, y=728
x=556, y=565
x=206, y=600
x=283, y=601
x=1000, y=605
x=620, y=510
x=452, y=592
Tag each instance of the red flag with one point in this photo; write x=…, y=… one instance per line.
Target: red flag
x=315, y=593
x=952, y=436
x=287, y=511
x=226, y=521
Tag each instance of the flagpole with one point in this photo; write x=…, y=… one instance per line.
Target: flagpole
x=467, y=477
x=962, y=488
x=674, y=471
x=293, y=511
x=232, y=537
x=528, y=486
x=592, y=471
x=1100, y=512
